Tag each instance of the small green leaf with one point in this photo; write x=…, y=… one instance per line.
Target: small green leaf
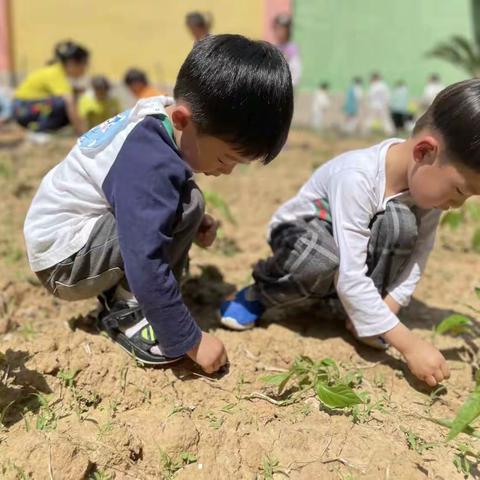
x=448, y=423
x=474, y=211
x=468, y=412
x=454, y=324
x=476, y=241
x=275, y=379
x=214, y=200
x=477, y=292
x=336, y=396
x=280, y=379
x=453, y=219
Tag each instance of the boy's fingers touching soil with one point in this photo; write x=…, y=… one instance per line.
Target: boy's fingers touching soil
x=430, y=380
x=438, y=376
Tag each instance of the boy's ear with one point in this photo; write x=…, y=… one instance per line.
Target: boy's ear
x=181, y=116
x=426, y=149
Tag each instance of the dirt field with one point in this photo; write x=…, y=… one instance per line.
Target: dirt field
x=74, y=406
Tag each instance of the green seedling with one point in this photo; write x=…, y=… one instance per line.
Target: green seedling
x=270, y=467
x=455, y=218
x=465, y=459
x=228, y=408
x=100, y=475
x=467, y=413
x=5, y=170
x=455, y=324
x=214, y=421
x=323, y=377
x=3, y=414
x=67, y=377
x=173, y=465
x=215, y=201
x=468, y=430
x=362, y=413
x=417, y=444
x=27, y=331
x=46, y=417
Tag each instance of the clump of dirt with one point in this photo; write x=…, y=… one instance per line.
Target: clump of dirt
x=73, y=405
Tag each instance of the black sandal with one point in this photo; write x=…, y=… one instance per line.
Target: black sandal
x=140, y=343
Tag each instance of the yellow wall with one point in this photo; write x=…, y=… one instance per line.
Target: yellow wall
x=149, y=34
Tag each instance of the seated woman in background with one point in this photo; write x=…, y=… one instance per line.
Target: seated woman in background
x=97, y=104
x=44, y=101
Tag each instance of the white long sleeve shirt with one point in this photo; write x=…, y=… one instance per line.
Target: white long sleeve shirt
x=354, y=185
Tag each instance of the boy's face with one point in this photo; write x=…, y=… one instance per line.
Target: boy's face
x=101, y=93
x=436, y=182
x=280, y=32
x=204, y=153
x=136, y=88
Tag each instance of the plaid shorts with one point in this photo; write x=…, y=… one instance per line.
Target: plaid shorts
x=305, y=256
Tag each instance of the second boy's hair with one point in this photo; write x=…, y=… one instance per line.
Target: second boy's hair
x=238, y=90
x=455, y=115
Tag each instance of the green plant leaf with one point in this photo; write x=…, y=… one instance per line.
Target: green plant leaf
x=477, y=292
x=476, y=240
x=448, y=423
x=276, y=378
x=454, y=324
x=468, y=412
x=453, y=219
x=336, y=396
x=474, y=211
x=214, y=200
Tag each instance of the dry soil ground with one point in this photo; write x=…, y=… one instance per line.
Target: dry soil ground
x=73, y=405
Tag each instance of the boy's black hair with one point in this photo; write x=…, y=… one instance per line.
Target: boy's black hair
x=100, y=82
x=239, y=90
x=135, y=75
x=68, y=50
x=455, y=115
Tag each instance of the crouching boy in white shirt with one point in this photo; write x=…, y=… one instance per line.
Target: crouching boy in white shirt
x=363, y=225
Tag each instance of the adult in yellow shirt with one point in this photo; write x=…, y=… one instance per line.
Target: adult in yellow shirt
x=44, y=101
x=98, y=105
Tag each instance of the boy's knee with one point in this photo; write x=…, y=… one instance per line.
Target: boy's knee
x=400, y=225
x=316, y=262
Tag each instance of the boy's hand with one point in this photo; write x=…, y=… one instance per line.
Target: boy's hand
x=210, y=353
x=207, y=232
x=426, y=362
x=422, y=358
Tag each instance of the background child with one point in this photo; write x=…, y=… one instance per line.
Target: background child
x=199, y=25
x=137, y=82
x=364, y=224
x=97, y=105
x=320, y=105
x=351, y=106
x=117, y=217
x=44, y=101
x=282, y=31
x=399, y=106
x=378, y=106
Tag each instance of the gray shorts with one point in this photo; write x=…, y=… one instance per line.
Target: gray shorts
x=305, y=256
x=98, y=265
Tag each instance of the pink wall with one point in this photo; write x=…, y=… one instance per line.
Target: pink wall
x=271, y=9
x=4, y=60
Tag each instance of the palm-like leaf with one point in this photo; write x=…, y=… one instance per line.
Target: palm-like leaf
x=460, y=52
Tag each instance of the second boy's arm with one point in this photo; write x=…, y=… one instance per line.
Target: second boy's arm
x=352, y=202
